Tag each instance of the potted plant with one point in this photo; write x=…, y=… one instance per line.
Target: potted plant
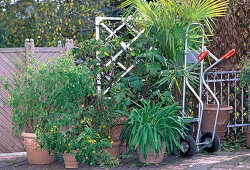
x=79, y=144
x=151, y=128
x=37, y=99
x=107, y=122
x=24, y=97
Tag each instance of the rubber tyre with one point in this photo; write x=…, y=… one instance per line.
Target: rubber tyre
x=191, y=146
x=215, y=145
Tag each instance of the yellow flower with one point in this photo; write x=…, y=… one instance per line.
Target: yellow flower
x=93, y=151
x=69, y=144
x=87, y=157
x=37, y=125
x=95, y=141
x=82, y=121
x=83, y=134
x=109, y=137
x=51, y=130
x=38, y=145
x=107, y=54
x=91, y=120
x=38, y=36
x=89, y=141
x=98, y=134
x=112, y=142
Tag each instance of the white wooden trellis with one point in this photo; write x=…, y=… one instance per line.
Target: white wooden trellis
x=125, y=22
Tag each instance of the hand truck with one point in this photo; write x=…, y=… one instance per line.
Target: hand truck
x=207, y=141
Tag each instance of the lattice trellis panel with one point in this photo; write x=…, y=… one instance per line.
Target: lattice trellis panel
x=115, y=27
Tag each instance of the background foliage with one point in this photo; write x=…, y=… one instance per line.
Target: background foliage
x=48, y=21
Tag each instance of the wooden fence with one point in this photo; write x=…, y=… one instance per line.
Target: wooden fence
x=8, y=59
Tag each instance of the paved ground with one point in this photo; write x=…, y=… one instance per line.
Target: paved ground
x=200, y=161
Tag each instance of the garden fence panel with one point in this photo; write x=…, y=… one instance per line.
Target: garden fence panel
x=226, y=86
x=9, y=57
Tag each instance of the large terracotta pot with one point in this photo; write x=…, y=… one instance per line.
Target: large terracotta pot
x=247, y=132
x=115, y=150
x=35, y=154
x=152, y=158
x=70, y=161
x=209, y=117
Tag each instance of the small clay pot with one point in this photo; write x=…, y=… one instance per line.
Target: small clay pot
x=247, y=133
x=70, y=161
x=152, y=158
x=35, y=154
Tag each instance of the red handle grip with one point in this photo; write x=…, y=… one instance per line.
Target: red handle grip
x=229, y=54
x=202, y=55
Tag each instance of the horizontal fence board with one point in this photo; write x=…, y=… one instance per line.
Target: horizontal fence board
x=48, y=49
x=12, y=50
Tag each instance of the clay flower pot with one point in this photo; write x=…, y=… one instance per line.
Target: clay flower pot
x=152, y=158
x=35, y=154
x=247, y=132
x=115, y=150
x=70, y=161
x=209, y=117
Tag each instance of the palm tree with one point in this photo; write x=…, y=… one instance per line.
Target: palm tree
x=167, y=21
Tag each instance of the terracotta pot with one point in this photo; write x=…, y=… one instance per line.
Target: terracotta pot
x=247, y=132
x=35, y=154
x=70, y=161
x=209, y=117
x=115, y=150
x=123, y=148
x=115, y=132
x=152, y=158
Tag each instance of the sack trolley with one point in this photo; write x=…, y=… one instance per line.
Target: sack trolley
x=207, y=141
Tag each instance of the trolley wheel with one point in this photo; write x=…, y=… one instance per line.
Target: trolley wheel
x=214, y=147
x=188, y=145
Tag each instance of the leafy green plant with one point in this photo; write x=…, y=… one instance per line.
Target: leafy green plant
x=150, y=125
x=81, y=138
x=56, y=89
x=167, y=21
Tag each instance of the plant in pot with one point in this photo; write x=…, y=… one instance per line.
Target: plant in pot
x=37, y=99
x=79, y=144
x=24, y=97
x=151, y=128
x=107, y=122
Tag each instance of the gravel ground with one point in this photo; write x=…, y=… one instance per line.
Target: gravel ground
x=200, y=161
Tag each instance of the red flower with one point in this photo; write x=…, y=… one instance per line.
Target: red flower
x=92, y=69
x=98, y=108
x=31, y=100
x=107, y=119
x=102, y=111
x=43, y=108
x=77, y=107
x=57, y=111
x=115, y=101
x=47, y=99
